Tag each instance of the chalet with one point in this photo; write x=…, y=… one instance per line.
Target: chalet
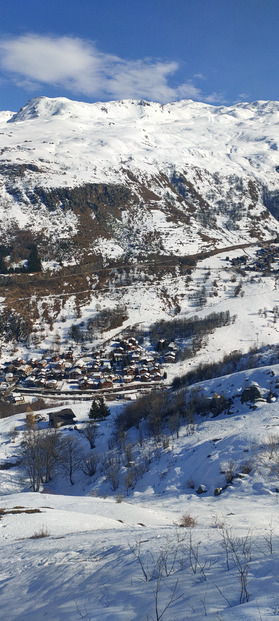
x=94, y=366
x=155, y=368
x=58, y=365
x=41, y=363
x=52, y=384
x=105, y=383
x=128, y=378
x=129, y=370
x=80, y=364
x=133, y=340
x=9, y=377
x=87, y=383
x=145, y=377
x=30, y=381
x=33, y=362
x=75, y=373
x=169, y=357
x=105, y=364
x=61, y=418
x=157, y=377
x=24, y=370
x=173, y=346
x=55, y=358
x=18, y=362
x=41, y=381
x=97, y=354
x=96, y=376
x=83, y=383
x=162, y=344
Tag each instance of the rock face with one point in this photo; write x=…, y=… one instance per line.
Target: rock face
x=201, y=489
x=251, y=393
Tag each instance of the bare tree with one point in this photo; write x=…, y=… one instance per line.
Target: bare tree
x=49, y=442
x=113, y=472
x=89, y=465
x=40, y=456
x=130, y=479
x=173, y=597
x=70, y=456
x=174, y=424
x=269, y=537
x=33, y=460
x=238, y=549
x=89, y=431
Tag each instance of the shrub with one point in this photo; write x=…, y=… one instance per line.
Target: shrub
x=187, y=521
x=43, y=532
x=229, y=471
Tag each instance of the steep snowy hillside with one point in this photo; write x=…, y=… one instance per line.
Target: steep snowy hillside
x=127, y=197
x=135, y=178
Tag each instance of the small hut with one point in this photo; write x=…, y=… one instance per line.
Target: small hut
x=61, y=418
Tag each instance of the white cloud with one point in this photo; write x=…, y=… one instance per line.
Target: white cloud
x=79, y=67
x=243, y=97
x=215, y=98
x=199, y=76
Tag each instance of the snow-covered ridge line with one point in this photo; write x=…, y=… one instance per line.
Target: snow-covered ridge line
x=46, y=107
x=94, y=140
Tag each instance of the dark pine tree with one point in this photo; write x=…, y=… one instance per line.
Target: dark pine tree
x=34, y=262
x=99, y=409
x=3, y=267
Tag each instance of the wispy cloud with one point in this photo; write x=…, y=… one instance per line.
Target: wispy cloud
x=79, y=67
x=243, y=97
x=215, y=98
x=199, y=76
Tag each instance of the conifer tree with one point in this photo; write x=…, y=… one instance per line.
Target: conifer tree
x=99, y=408
x=34, y=262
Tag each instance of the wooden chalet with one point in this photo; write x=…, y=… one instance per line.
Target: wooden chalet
x=61, y=418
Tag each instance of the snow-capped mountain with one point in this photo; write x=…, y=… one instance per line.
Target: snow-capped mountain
x=135, y=178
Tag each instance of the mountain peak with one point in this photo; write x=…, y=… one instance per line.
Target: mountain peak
x=42, y=107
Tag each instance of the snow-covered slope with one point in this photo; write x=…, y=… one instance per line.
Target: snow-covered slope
x=190, y=170
x=230, y=140
x=86, y=551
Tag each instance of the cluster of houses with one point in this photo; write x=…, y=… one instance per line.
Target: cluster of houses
x=125, y=362
x=265, y=255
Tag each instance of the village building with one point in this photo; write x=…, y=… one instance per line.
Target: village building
x=61, y=418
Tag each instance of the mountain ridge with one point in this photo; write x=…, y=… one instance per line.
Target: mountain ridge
x=183, y=162
x=132, y=183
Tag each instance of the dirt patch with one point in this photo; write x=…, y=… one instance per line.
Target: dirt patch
x=18, y=510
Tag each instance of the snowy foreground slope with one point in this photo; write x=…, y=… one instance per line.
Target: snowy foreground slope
x=86, y=551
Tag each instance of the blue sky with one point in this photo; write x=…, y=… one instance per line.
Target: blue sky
x=216, y=51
